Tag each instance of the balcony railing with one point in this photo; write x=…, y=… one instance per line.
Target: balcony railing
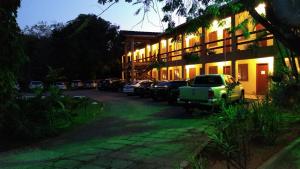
x=221, y=47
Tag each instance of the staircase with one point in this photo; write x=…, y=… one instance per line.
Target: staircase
x=143, y=69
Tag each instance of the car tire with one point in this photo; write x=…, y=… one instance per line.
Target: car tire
x=242, y=97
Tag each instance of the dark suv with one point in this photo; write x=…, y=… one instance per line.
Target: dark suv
x=167, y=90
x=144, y=89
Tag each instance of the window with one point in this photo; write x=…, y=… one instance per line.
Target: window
x=227, y=70
x=243, y=72
x=213, y=36
x=260, y=35
x=213, y=70
x=164, y=74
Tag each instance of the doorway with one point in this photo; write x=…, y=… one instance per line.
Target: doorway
x=262, y=79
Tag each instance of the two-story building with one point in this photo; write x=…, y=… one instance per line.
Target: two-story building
x=164, y=56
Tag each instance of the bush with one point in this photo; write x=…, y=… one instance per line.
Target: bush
x=237, y=126
x=266, y=122
x=231, y=139
x=44, y=116
x=286, y=95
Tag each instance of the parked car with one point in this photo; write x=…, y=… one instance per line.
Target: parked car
x=113, y=84
x=90, y=84
x=144, y=89
x=36, y=84
x=210, y=90
x=76, y=84
x=61, y=85
x=167, y=90
x=130, y=88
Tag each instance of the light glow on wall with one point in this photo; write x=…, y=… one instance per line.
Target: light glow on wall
x=163, y=43
x=190, y=66
x=269, y=60
x=222, y=64
x=261, y=9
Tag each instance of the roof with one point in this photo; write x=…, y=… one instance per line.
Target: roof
x=139, y=33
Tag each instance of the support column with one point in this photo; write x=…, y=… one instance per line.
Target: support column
x=159, y=59
x=234, y=47
x=233, y=35
x=203, y=41
x=132, y=60
x=167, y=50
x=126, y=63
x=203, y=69
x=233, y=70
x=183, y=72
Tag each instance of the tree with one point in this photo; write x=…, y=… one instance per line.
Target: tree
x=11, y=56
x=87, y=47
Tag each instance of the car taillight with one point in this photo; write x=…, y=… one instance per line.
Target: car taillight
x=210, y=94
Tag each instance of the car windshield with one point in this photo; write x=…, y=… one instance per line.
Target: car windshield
x=208, y=80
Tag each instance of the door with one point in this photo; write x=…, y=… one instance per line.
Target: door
x=171, y=74
x=262, y=79
x=176, y=74
x=192, y=73
x=261, y=43
x=227, y=70
x=213, y=70
x=226, y=42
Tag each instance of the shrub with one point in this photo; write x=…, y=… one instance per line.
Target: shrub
x=231, y=137
x=44, y=116
x=237, y=126
x=266, y=121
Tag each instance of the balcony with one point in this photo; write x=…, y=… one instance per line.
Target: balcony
x=256, y=39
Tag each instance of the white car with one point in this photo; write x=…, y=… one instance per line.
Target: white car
x=35, y=85
x=61, y=85
x=129, y=88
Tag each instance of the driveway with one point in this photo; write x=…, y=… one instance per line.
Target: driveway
x=130, y=133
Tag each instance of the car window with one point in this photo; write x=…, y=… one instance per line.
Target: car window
x=163, y=84
x=208, y=80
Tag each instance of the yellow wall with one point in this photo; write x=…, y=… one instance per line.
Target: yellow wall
x=250, y=85
x=187, y=67
x=220, y=66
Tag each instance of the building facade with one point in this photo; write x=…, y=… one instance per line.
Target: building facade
x=211, y=50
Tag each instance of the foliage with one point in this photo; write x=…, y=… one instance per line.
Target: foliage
x=55, y=75
x=191, y=58
x=44, y=116
x=87, y=47
x=231, y=138
x=158, y=64
x=266, y=122
x=285, y=94
x=11, y=57
x=238, y=126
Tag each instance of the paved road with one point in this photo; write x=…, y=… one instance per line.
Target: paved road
x=130, y=133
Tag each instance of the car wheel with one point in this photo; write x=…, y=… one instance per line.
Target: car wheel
x=154, y=98
x=242, y=97
x=188, y=109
